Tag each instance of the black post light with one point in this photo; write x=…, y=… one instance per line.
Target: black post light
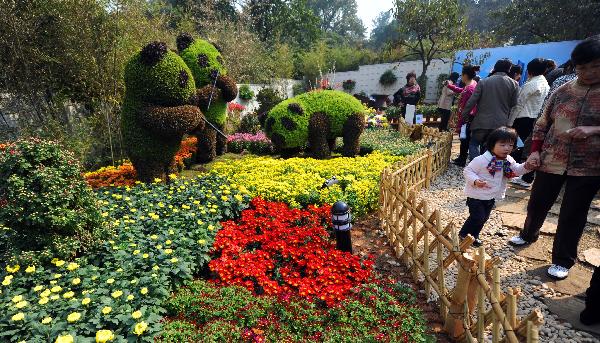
x=342, y=223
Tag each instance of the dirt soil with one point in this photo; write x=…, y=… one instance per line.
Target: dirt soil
x=365, y=241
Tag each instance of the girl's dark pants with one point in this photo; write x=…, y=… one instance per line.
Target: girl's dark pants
x=479, y=213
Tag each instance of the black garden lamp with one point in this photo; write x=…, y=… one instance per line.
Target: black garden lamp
x=342, y=223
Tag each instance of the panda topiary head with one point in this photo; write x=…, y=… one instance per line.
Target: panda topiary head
x=287, y=124
x=203, y=58
x=157, y=75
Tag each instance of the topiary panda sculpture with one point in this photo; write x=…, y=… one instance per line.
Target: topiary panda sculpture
x=315, y=119
x=157, y=110
x=214, y=90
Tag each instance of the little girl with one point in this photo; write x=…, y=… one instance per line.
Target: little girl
x=486, y=177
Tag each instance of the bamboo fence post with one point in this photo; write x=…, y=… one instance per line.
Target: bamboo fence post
x=441, y=282
x=511, y=308
x=533, y=335
x=426, y=252
x=428, y=168
x=415, y=271
x=481, y=298
x=496, y=292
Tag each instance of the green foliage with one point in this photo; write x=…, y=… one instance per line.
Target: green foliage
x=249, y=124
x=289, y=22
x=339, y=18
x=428, y=110
x=516, y=25
x=388, y=141
x=234, y=314
x=394, y=112
x=298, y=88
x=422, y=82
x=336, y=105
x=341, y=57
x=432, y=29
x=267, y=98
x=245, y=93
x=46, y=205
x=388, y=78
x=349, y=85
x=163, y=237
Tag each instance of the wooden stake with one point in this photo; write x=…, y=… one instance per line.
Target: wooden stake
x=496, y=293
x=481, y=298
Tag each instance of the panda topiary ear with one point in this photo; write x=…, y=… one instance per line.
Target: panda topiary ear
x=153, y=53
x=184, y=40
x=295, y=108
x=217, y=46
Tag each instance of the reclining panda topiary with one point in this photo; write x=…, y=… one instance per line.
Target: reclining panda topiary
x=315, y=119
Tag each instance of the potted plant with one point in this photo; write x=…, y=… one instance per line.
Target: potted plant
x=349, y=85
x=246, y=93
x=393, y=114
x=388, y=78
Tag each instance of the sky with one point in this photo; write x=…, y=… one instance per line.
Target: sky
x=369, y=9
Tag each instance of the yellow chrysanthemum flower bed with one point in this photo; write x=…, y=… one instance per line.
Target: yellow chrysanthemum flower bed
x=298, y=181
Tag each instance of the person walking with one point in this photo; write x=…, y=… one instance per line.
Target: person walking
x=569, y=74
x=494, y=97
x=525, y=113
x=469, y=72
x=566, y=146
x=445, y=101
x=485, y=180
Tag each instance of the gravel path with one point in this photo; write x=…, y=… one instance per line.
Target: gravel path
x=446, y=194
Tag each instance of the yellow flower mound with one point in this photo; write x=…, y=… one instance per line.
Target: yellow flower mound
x=103, y=336
x=65, y=339
x=297, y=181
x=140, y=328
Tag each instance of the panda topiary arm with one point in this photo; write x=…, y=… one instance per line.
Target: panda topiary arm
x=171, y=121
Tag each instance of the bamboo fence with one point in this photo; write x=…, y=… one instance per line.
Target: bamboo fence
x=420, y=239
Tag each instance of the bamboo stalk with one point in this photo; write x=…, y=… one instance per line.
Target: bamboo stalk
x=481, y=298
x=532, y=333
x=414, y=244
x=506, y=324
x=511, y=308
x=426, y=253
x=496, y=293
x=441, y=281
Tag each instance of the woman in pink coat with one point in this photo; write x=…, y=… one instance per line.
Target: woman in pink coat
x=468, y=74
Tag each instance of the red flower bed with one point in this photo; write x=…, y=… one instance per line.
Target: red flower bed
x=276, y=250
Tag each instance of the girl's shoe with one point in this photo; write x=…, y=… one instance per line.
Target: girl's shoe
x=477, y=243
x=558, y=272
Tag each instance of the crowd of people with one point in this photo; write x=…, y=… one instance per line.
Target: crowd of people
x=543, y=135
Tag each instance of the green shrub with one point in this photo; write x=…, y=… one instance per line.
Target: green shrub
x=349, y=85
x=394, y=112
x=164, y=236
x=388, y=78
x=428, y=110
x=249, y=123
x=379, y=311
x=298, y=88
x=45, y=203
x=245, y=92
x=267, y=98
x=388, y=141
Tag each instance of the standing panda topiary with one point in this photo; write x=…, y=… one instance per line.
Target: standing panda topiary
x=157, y=110
x=214, y=90
x=315, y=119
